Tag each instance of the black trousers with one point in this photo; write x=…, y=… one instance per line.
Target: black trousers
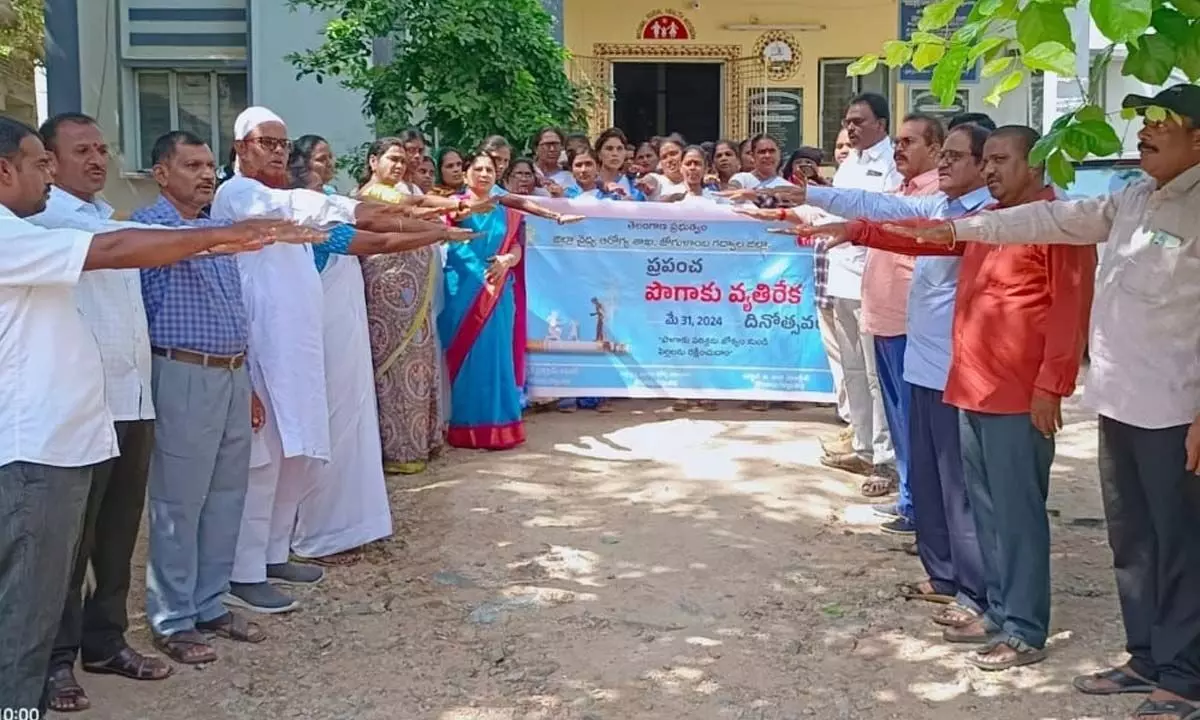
x=94, y=624
x=1152, y=506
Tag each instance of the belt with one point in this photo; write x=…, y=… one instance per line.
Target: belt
x=224, y=362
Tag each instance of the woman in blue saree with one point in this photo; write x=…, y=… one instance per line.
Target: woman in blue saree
x=482, y=324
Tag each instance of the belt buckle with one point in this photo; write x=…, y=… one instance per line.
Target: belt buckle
x=233, y=360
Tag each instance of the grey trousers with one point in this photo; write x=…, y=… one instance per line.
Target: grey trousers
x=94, y=624
x=1152, y=505
x=1006, y=467
x=41, y=508
x=198, y=474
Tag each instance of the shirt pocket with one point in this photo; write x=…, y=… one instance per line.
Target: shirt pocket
x=1148, y=267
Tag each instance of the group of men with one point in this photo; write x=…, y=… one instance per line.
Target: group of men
x=125, y=373
x=979, y=325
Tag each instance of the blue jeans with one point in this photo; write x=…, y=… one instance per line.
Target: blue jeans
x=897, y=398
x=198, y=474
x=43, y=511
x=1006, y=464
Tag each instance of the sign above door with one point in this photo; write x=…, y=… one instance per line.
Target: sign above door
x=666, y=25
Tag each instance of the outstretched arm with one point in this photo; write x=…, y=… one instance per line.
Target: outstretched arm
x=152, y=248
x=525, y=205
x=1069, y=222
x=849, y=203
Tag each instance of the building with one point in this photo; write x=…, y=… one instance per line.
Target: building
x=144, y=67
x=705, y=68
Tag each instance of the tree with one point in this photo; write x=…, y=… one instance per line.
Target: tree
x=1015, y=37
x=476, y=67
x=23, y=33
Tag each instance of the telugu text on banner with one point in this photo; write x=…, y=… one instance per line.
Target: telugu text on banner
x=672, y=300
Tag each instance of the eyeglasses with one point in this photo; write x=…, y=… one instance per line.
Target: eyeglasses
x=950, y=157
x=271, y=144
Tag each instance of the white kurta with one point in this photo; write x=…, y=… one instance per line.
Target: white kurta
x=347, y=507
x=285, y=312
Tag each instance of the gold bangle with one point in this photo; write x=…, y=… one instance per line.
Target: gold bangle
x=953, y=235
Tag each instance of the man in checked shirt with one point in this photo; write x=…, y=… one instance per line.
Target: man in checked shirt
x=201, y=459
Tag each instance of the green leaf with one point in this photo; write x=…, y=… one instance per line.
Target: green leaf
x=1191, y=8
x=1005, y=85
x=996, y=66
x=985, y=46
x=1041, y=22
x=1052, y=57
x=927, y=56
x=948, y=73
x=865, y=65
x=1062, y=172
x=1122, y=20
x=1187, y=55
x=1090, y=113
x=988, y=8
x=1043, y=147
x=1128, y=113
x=969, y=31
x=925, y=38
x=1151, y=61
x=938, y=15
x=1101, y=138
x=1062, y=122
x=896, y=53
x=1155, y=113
x=1172, y=23
x=1074, y=143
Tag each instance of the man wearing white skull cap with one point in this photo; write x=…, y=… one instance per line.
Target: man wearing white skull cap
x=284, y=306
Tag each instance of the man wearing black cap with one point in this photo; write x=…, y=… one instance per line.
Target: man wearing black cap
x=1144, y=381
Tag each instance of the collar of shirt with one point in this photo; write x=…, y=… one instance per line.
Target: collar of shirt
x=1181, y=185
x=879, y=151
x=972, y=201
x=923, y=184
x=62, y=201
x=163, y=212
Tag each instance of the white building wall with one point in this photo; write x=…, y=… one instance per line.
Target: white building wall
x=306, y=106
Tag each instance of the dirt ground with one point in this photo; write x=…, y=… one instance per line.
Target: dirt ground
x=642, y=565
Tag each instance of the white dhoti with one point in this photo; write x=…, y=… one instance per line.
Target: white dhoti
x=347, y=504
x=275, y=489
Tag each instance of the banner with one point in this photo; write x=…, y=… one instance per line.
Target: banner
x=670, y=300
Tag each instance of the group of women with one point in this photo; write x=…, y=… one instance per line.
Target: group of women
x=445, y=324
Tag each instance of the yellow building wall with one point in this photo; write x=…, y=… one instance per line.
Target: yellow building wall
x=851, y=28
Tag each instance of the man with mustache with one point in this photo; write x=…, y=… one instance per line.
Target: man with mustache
x=201, y=458
x=58, y=426
x=1019, y=329
x=111, y=303
x=282, y=292
x=947, y=543
x=871, y=166
x=1144, y=381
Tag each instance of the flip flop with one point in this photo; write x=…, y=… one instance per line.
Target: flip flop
x=912, y=591
x=1180, y=709
x=1116, y=682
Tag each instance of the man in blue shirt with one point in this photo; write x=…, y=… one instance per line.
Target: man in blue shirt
x=946, y=539
x=201, y=459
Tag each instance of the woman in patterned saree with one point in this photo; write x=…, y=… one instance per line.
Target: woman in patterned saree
x=483, y=322
x=403, y=292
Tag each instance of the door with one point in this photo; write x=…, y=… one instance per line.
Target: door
x=659, y=98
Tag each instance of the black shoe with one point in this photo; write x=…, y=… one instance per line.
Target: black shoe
x=899, y=526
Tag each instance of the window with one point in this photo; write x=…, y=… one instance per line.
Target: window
x=836, y=92
x=203, y=102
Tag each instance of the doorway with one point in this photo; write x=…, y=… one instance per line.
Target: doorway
x=659, y=98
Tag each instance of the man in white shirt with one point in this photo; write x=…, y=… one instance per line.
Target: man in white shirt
x=110, y=302
x=55, y=426
x=871, y=166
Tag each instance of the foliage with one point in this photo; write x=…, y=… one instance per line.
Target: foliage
x=25, y=36
x=1015, y=37
x=476, y=67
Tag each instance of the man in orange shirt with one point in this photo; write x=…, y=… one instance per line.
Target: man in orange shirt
x=1020, y=323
